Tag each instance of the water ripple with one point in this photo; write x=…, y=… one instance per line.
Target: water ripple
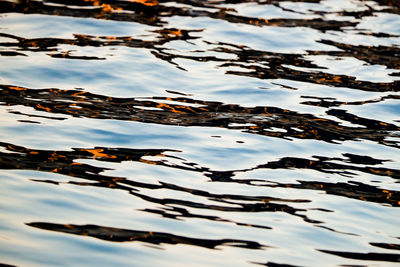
x=150, y=132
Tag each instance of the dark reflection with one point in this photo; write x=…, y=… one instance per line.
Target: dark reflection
x=328, y=102
x=184, y=111
x=374, y=55
x=273, y=264
x=272, y=65
x=251, y=62
x=179, y=213
x=157, y=238
x=386, y=246
x=67, y=55
x=365, y=256
x=326, y=165
x=51, y=44
x=152, y=12
x=355, y=190
x=64, y=162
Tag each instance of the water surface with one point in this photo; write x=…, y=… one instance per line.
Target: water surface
x=204, y=133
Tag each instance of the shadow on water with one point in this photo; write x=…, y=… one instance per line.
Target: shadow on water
x=335, y=122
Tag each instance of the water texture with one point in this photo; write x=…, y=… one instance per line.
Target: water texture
x=200, y=133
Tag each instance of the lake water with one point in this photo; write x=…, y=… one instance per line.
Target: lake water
x=200, y=133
